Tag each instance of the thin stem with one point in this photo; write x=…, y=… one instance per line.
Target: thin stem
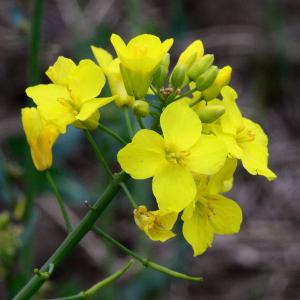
x=157, y=93
x=74, y=237
x=145, y=262
x=103, y=161
x=98, y=153
x=186, y=94
x=35, y=42
x=128, y=194
x=196, y=102
x=101, y=284
x=112, y=133
x=59, y=201
x=128, y=121
x=139, y=120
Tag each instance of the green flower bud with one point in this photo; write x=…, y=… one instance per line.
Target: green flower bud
x=166, y=60
x=160, y=76
x=178, y=76
x=190, y=60
x=210, y=113
x=223, y=78
x=207, y=78
x=200, y=66
x=141, y=108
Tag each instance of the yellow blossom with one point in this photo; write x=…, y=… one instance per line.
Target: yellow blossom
x=156, y=224
x=140, y=58
x=172, y=159
x=193, y=52
x=245, y=139
x=111, y=68
x=41, y=136
x=211, y=213
x=71, y=99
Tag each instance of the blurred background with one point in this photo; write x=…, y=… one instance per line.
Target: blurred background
x=260, y=40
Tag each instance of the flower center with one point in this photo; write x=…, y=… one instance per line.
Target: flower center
x=245, y=135
x=140, y=51
x=177, y=157
x=69, y=104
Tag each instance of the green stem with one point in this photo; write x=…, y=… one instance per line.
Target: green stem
x=101, y=284
x=105, y=164
x=145, y=262
x=128, y=194
x=35, y=42
x=139, y=120
x=128, y=121
x=59, y=200
x=74, y=237
x=98, y=153
x=113, y=134
x=157, y=93
x=186, y=94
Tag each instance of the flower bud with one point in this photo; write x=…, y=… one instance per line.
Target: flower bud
x=223, y=78
x=200, y=66
x=210, y=113
x=207, y=78
x=141, y=108
x=160, y=76
x=178, y=76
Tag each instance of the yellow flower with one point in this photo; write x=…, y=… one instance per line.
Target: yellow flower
x=173, y=158
x=71, y=99
x=245, y=139
x=193, y=52
x=40, y=136
x=140, y=58
x=211, y=213
x=156, y=224
x=111, y=68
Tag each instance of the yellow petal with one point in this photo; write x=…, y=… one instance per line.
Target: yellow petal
x=227, y=215
x=103, y=57
x=231, y=120
x=180, y=125
x=207, y=155
x=167, y=44
x=44, y=93
x=41, y=136
x=195, y=47
x=196, y=228
x=86, y=81
x=118, y=44
x=222, y=181
x=143, y=156
x=91, y=106
x=52, y=101
x=255, y=152
x=173, y=187
x=60, y=72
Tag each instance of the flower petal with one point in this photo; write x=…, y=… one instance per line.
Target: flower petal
x=60, y=72
x=174, y=187
x=231, y=120
x=103, y=57
x=207, y=155
x=86, y=81
x=91, y=106
x=227, y=215
x=143, y=156
x=180, y=125
x=196, y=228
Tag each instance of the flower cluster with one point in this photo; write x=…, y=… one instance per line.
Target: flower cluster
x=194, y=134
